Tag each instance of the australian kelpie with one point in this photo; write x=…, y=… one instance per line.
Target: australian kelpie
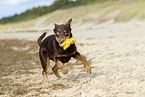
x=51, y=49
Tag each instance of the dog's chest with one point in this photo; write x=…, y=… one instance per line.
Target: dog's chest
x=68, y=52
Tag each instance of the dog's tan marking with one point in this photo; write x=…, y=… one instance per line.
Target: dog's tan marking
x=45, y=72
x=67, y=55
x=57, y=33
x=85, y=63
x=45, y=76
x=48, y=62
x=57, y=39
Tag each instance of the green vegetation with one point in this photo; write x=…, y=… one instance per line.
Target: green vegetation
x=39, y=11
x=93, y=12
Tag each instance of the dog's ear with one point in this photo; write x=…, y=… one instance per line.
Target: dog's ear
x=55, y=25
x=69, y=22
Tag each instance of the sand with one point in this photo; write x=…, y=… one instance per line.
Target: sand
x=116, y=53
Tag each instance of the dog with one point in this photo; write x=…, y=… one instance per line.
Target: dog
x=51, y=49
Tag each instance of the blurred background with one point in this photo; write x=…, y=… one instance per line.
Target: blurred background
x=40, y=15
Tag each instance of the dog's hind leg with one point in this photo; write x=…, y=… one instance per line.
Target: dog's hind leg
x=44, y=62
x=84, y=61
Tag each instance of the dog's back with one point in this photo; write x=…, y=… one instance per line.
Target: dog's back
x=48, y=45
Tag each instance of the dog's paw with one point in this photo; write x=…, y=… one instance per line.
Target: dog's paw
x=64, y=70
x=88, y=69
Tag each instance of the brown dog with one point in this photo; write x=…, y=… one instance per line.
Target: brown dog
x=50, y=49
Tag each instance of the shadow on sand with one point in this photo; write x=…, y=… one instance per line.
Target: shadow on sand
x=75, y=78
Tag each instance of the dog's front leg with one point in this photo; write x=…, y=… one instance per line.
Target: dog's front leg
x=62, y=67
x=85, y=63
x=55, y=70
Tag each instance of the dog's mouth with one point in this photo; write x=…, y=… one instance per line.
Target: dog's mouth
x=58, y=41
x=60, y=44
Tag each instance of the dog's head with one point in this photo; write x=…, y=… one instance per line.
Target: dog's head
x=63, y=31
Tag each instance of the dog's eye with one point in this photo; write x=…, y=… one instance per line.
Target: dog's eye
x=57, y=33
x=65, y=34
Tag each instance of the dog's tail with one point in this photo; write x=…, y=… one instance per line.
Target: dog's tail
x=40, y=38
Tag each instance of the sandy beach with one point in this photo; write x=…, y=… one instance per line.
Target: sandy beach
x=115, y=51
